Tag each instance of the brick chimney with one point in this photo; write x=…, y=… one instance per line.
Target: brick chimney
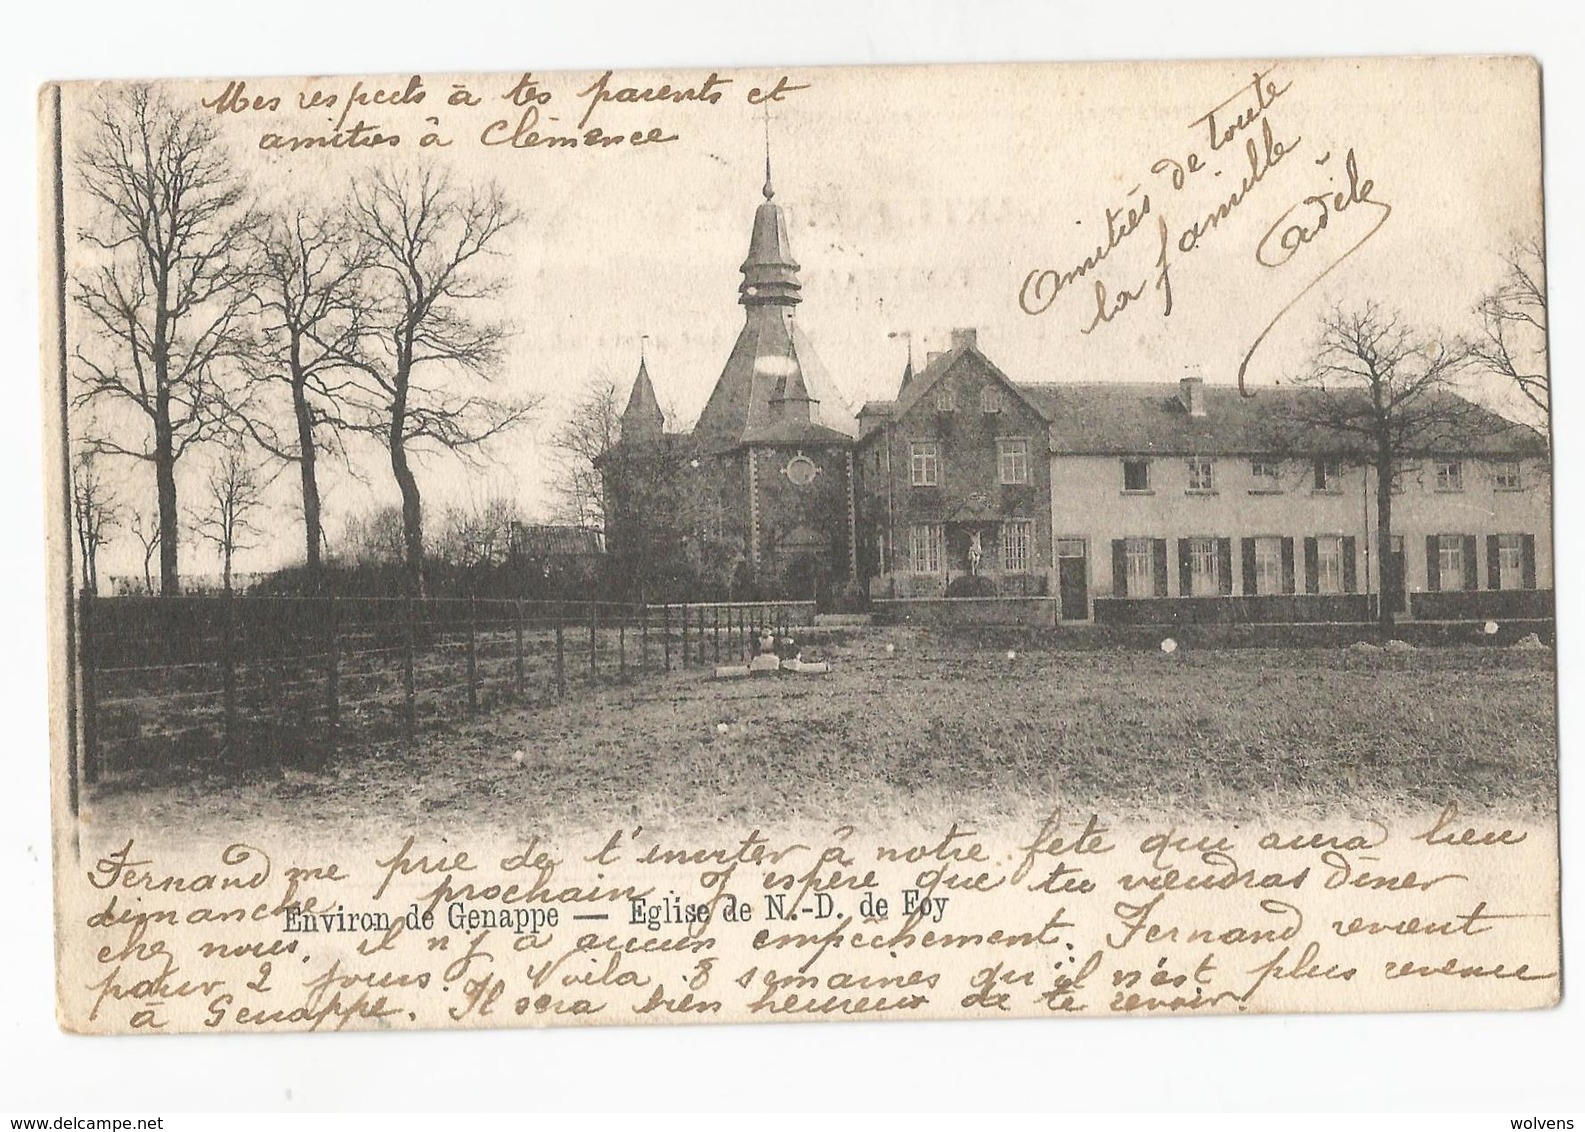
x=965, y=336
x=1191, y=391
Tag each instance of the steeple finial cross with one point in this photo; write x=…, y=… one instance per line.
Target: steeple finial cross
x=765, y=110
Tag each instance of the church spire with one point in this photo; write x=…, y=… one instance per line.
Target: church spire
x=642, y=420
x=770, y=274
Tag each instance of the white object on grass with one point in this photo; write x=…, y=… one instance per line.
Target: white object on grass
x=1169, y=645
x=1491, y=628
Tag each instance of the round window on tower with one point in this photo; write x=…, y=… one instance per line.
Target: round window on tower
x=801, y=470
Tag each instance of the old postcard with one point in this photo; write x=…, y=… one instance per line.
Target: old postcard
x=788, y=544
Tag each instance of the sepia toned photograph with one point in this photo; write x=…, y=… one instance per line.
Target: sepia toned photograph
x=748, y=545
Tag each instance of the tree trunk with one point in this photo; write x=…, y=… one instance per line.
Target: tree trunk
x=1384, y=476
x=307, y=467
x=165, y=485
x=412, y=509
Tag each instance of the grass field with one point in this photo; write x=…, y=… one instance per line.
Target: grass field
x=942, y=724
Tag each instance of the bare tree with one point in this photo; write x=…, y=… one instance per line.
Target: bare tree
x=146, y=530
x=164, y=295
x=96, y=513
x=479, y=534
x=1513, y=339
x=581, y=443
x=307, y=269
x=374, y=539
x=1378, y=393
x=234, y=491
x=430, y=246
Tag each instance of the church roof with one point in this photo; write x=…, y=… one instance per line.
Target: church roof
x=642, y=402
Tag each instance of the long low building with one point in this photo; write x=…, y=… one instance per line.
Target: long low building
x=1182, y=502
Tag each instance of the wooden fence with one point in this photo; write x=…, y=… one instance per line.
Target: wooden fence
x=185, y=679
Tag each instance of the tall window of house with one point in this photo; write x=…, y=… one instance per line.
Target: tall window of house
x=1136, y=476
x=1141, y=560
x=1450, y=560
x=1012, y=458
x=1505, y=475
x=925, y=458
x=925, y=543
x=1268, y=565
x=1200, y=478
x=1329, y=564
x=946, y=399
x=1202, y=567
x=1017, y=534
x=1328, y=475
x=1267, y=475
x=990, y=399
x=1450, y=475
x=1510, y=561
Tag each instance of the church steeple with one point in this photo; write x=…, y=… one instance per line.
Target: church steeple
x=642, y=420
x=770, y=274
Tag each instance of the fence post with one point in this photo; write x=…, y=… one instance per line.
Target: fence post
x=473, y=655
x=333, y=671
x=87, y=656
x=686, y=660
x=643, y=632
x=228, y=667
x=561, y=650
x=409, y=707
x=715, y=634
x=665, y=632
x=517, y=657
x=701, y=635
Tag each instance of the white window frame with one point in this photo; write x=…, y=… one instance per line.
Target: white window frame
x=1268, y=564
x=1450, y=475
x=1139, y=554
x=1202, y=474
x=1329, y=564
x=1204, y=567
x=946, y=399
x=924, y=463
x=926, y=548
x=1018, y=541
x=1012, y=459
x=1450, y=560
x=1507, y=475
x=1510, y=562
x=1267, y=475
x=990, y=399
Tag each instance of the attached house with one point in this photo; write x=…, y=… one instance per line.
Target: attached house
x=1177, y=502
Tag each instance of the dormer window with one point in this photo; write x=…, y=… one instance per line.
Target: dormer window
x=990, y=399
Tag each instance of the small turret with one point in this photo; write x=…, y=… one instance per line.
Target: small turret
x=642, y=420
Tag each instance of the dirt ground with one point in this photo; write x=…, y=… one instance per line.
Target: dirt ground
x=939, y=724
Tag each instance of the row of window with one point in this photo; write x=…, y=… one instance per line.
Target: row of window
x=990, y=400
x=1012, y=461
x=1272, y=564
x=927, y=548
x=1326, y=475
